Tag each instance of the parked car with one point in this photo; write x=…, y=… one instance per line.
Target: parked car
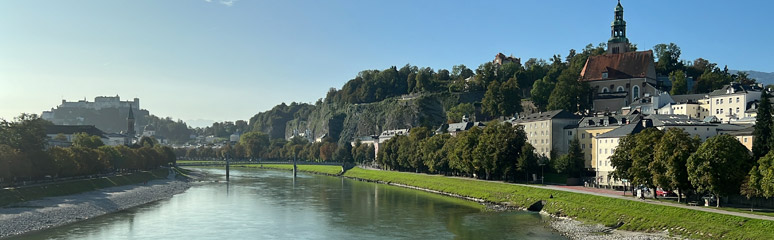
x=664, y=193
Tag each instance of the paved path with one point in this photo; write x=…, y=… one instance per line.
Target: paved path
x=619, y=195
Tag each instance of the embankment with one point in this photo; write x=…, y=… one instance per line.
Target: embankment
x=614, y=213
x=23, y=217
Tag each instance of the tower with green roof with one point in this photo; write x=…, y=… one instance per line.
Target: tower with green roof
x=618, y=43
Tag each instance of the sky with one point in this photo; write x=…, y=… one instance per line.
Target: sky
x=228, y=60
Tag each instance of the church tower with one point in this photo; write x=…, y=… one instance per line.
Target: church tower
x=618, y=43
x=130, y=123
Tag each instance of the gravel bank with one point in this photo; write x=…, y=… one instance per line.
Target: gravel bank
x=56, y=211
x=574, y=229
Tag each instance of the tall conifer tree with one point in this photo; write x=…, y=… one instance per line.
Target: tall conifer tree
x=762, y=134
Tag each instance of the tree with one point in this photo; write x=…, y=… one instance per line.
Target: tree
x=622, y=159
x=719, y=166
x=27, y=133
x=435, y=158
x=572, y=163
x=760, y=180
x=528, y=160
x=762, y=131
x=511, y=98
x=492, y=97
x=569, y=94
x=541, y=92
x=679, y=83
x=87, y=141
x=456, y=113
x=668, y=56
x=344, y=154
x=255, y=143
x=671, y=155
x=642, y=157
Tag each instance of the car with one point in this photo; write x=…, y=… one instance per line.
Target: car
x=664, y=193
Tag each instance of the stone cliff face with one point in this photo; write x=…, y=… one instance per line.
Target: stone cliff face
x=347, y=121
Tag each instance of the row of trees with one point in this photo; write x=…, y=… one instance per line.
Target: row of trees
x=498, y=151
x=257, y=145
x=23, y=153
x=674, y=160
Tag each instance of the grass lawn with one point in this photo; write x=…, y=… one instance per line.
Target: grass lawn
x=636, y=216
x=323, y=169
x=17, y=195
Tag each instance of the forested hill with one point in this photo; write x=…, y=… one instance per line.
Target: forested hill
x=412, y=96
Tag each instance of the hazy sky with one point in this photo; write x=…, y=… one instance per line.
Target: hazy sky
x=227, y=60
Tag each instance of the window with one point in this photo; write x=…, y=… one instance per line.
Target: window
x=737, y=99
x=721, y=101
x=583, y=146
x=635, y=92
x=583, y=135
x=604, y=90
x=737, y=110
x=620, y=89
x=745, y=139
x=569, y=133
x=590, y=145
x=717, y=101
x=730, y=100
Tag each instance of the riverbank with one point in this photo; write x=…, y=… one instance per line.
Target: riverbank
x=50, y=212
x=600, y=215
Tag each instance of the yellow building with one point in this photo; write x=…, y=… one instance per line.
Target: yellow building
x=590, y=127
x=744, y=136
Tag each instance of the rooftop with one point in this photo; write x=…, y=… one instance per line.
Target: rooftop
x=618, y=66
x=540, y=116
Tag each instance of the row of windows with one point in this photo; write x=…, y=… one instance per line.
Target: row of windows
x=730, y=100
x=583, y=135
x=635, y=90
x=534, y=125
x=730, y=110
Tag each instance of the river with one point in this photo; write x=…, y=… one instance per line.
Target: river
x=268, y=204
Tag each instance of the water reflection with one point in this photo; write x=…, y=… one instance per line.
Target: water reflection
x=274, y=205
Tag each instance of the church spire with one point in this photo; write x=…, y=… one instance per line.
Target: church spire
x=130, y=122
x=618, y=43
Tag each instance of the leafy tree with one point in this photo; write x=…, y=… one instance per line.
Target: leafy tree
x=344, y=154
x=27, y=133
x=461, y=72
x=461, y=158
x=760, y=181
x=642, y=156
x=87, y=141
x=719, y=166
x=679, y=83
x=541, y=92
x=255, y=143
x=498, y=149
x=569, y=94
x=511, y=98
x=492, y=97
x=671, y=155
x=668, y=56
x=528, y=160
x=456, y=113
x=622, y=157
x=762, y=131
x=435, y=158
x=573, y=162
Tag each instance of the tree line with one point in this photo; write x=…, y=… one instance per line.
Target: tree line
x=673, y=160
x=255, y=146
x=24, y=154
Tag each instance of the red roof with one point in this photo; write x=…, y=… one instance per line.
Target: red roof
x=619, y=66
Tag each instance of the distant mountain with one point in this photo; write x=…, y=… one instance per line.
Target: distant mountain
x=761, y=77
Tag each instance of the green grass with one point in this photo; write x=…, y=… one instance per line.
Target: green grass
x=637, y=216
x=199, y=162
x=321, y=169
x=23, y=194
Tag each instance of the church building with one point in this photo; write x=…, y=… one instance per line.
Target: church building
x=621, y=76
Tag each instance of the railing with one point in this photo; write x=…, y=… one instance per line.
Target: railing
x=223, y=163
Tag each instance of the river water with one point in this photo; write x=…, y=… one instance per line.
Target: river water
x=267, y=204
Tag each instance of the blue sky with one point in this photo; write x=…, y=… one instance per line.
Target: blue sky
x=227, y=60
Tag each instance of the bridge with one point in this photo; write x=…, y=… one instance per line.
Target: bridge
x=222, y=163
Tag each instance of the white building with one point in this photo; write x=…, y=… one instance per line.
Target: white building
x=730, y=102
x=546, y=131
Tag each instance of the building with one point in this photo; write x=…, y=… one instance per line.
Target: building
x=130, y=123
x=546, y=131
x=234, y=137
x=466, y=124
x=62, y=135
x=619, y=77
x=109, y=114
x=732, y=101
x=501, y=59
x=744, y=136
x=694, y=127
x=691, y=105
x=590, y=127
x=388, y=134
x=651, y=104
x=605, y=146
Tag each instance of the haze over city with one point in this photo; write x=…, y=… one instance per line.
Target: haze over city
x=227, y=60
